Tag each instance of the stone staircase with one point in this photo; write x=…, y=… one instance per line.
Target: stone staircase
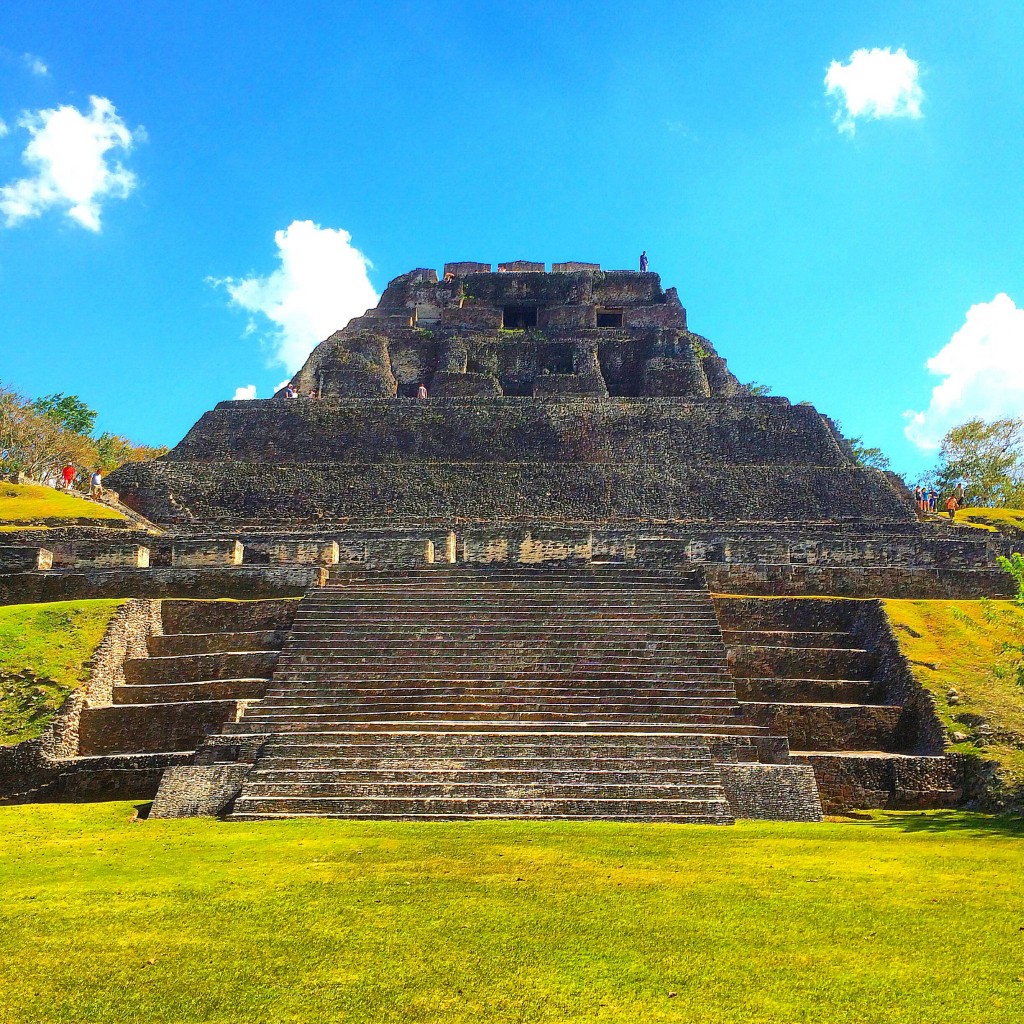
x=212, y=657
x=451, y=693
x=818, y=672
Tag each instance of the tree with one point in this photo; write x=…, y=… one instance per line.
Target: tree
x=69, y=412
x=35, y=443
x=989, y=458
x=113, y=450
x=38, y=438
x=865, y=455
x=758, y=390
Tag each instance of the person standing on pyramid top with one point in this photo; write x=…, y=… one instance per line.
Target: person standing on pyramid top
x=643, y=262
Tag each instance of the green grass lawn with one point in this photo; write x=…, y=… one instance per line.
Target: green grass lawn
x=54, y=641
x=970, y=655
x=903, y=917
x=27, y=503
x=1006, y=520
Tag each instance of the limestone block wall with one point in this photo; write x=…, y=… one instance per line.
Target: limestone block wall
x=24, y=558
x=304, y=552
x=109, y=555
x=198, y=554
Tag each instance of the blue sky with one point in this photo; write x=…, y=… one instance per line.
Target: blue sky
x=828, y=251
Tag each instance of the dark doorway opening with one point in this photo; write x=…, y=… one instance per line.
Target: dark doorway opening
x=609, y=318
x=518, y=318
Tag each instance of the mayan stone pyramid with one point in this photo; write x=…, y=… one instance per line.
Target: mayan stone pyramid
x=576, y=398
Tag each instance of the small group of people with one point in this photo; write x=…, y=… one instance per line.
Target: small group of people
x=927, y=500
x=290, y=391
x=67, y=480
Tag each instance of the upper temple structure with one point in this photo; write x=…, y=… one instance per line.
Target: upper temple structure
x=512, y=544
x=576, y=396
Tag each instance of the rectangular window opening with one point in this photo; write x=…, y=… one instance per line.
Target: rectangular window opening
x=518, y=318
x=609, y=318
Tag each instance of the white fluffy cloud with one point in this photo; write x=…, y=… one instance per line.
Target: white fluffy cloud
x=3, y=128
x=35, y=64
x=70, y=156
x=874, y=84
x=245, y=393
x=982, y=367
x=320, y=285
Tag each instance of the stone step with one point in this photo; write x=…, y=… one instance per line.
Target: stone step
x=491, y=752
x=512, y=807
x=459, y=641
x=195, y=668
x=790, y=638
x=829, y=726
x=252, y=723
x=398, y=698
x=674, y=819
x=801, y=663
x=492, y=711
x=286, y=770
x=454, y=674
x=555, y=693
x=291, y=716
x=553, y=789
x=216, y=643
x=796, y=691
x=207, y=689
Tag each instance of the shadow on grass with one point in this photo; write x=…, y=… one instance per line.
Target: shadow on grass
x=142, y=810
x=949, y=821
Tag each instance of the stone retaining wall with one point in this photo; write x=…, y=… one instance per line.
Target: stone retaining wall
x=37, y=764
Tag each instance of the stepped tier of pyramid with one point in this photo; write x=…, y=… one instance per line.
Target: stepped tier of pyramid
x=589, y=574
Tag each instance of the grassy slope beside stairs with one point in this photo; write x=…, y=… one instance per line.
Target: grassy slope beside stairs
x=24, y=505
x=1003, y=520
x=970, y=656
x=44, y=650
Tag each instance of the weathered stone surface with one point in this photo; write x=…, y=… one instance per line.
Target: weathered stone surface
x=22, y=558
x=771, y=791
x=190, y=791
x=202, y=554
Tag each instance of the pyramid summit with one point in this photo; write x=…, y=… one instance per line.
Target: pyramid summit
x=578, y=395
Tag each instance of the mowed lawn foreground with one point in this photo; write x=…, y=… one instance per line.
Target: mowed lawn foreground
x=907, y=917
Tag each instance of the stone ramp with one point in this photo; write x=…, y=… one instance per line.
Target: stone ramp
x=461, y=693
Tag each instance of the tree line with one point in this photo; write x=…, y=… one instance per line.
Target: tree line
x=985, y=456
x=40, y=436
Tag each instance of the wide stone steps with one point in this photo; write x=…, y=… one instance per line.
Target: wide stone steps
x=494, y=717
x=445, y=746
x=437, y=807
x=204, y=689
x=252, y=722
x=171, y=644
x=497, y=693
x=565, y=677
x=277, y=772
x=833, y=640
x=555, y=693
x=795, y=691
x=551, y=788
x=510, y=702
